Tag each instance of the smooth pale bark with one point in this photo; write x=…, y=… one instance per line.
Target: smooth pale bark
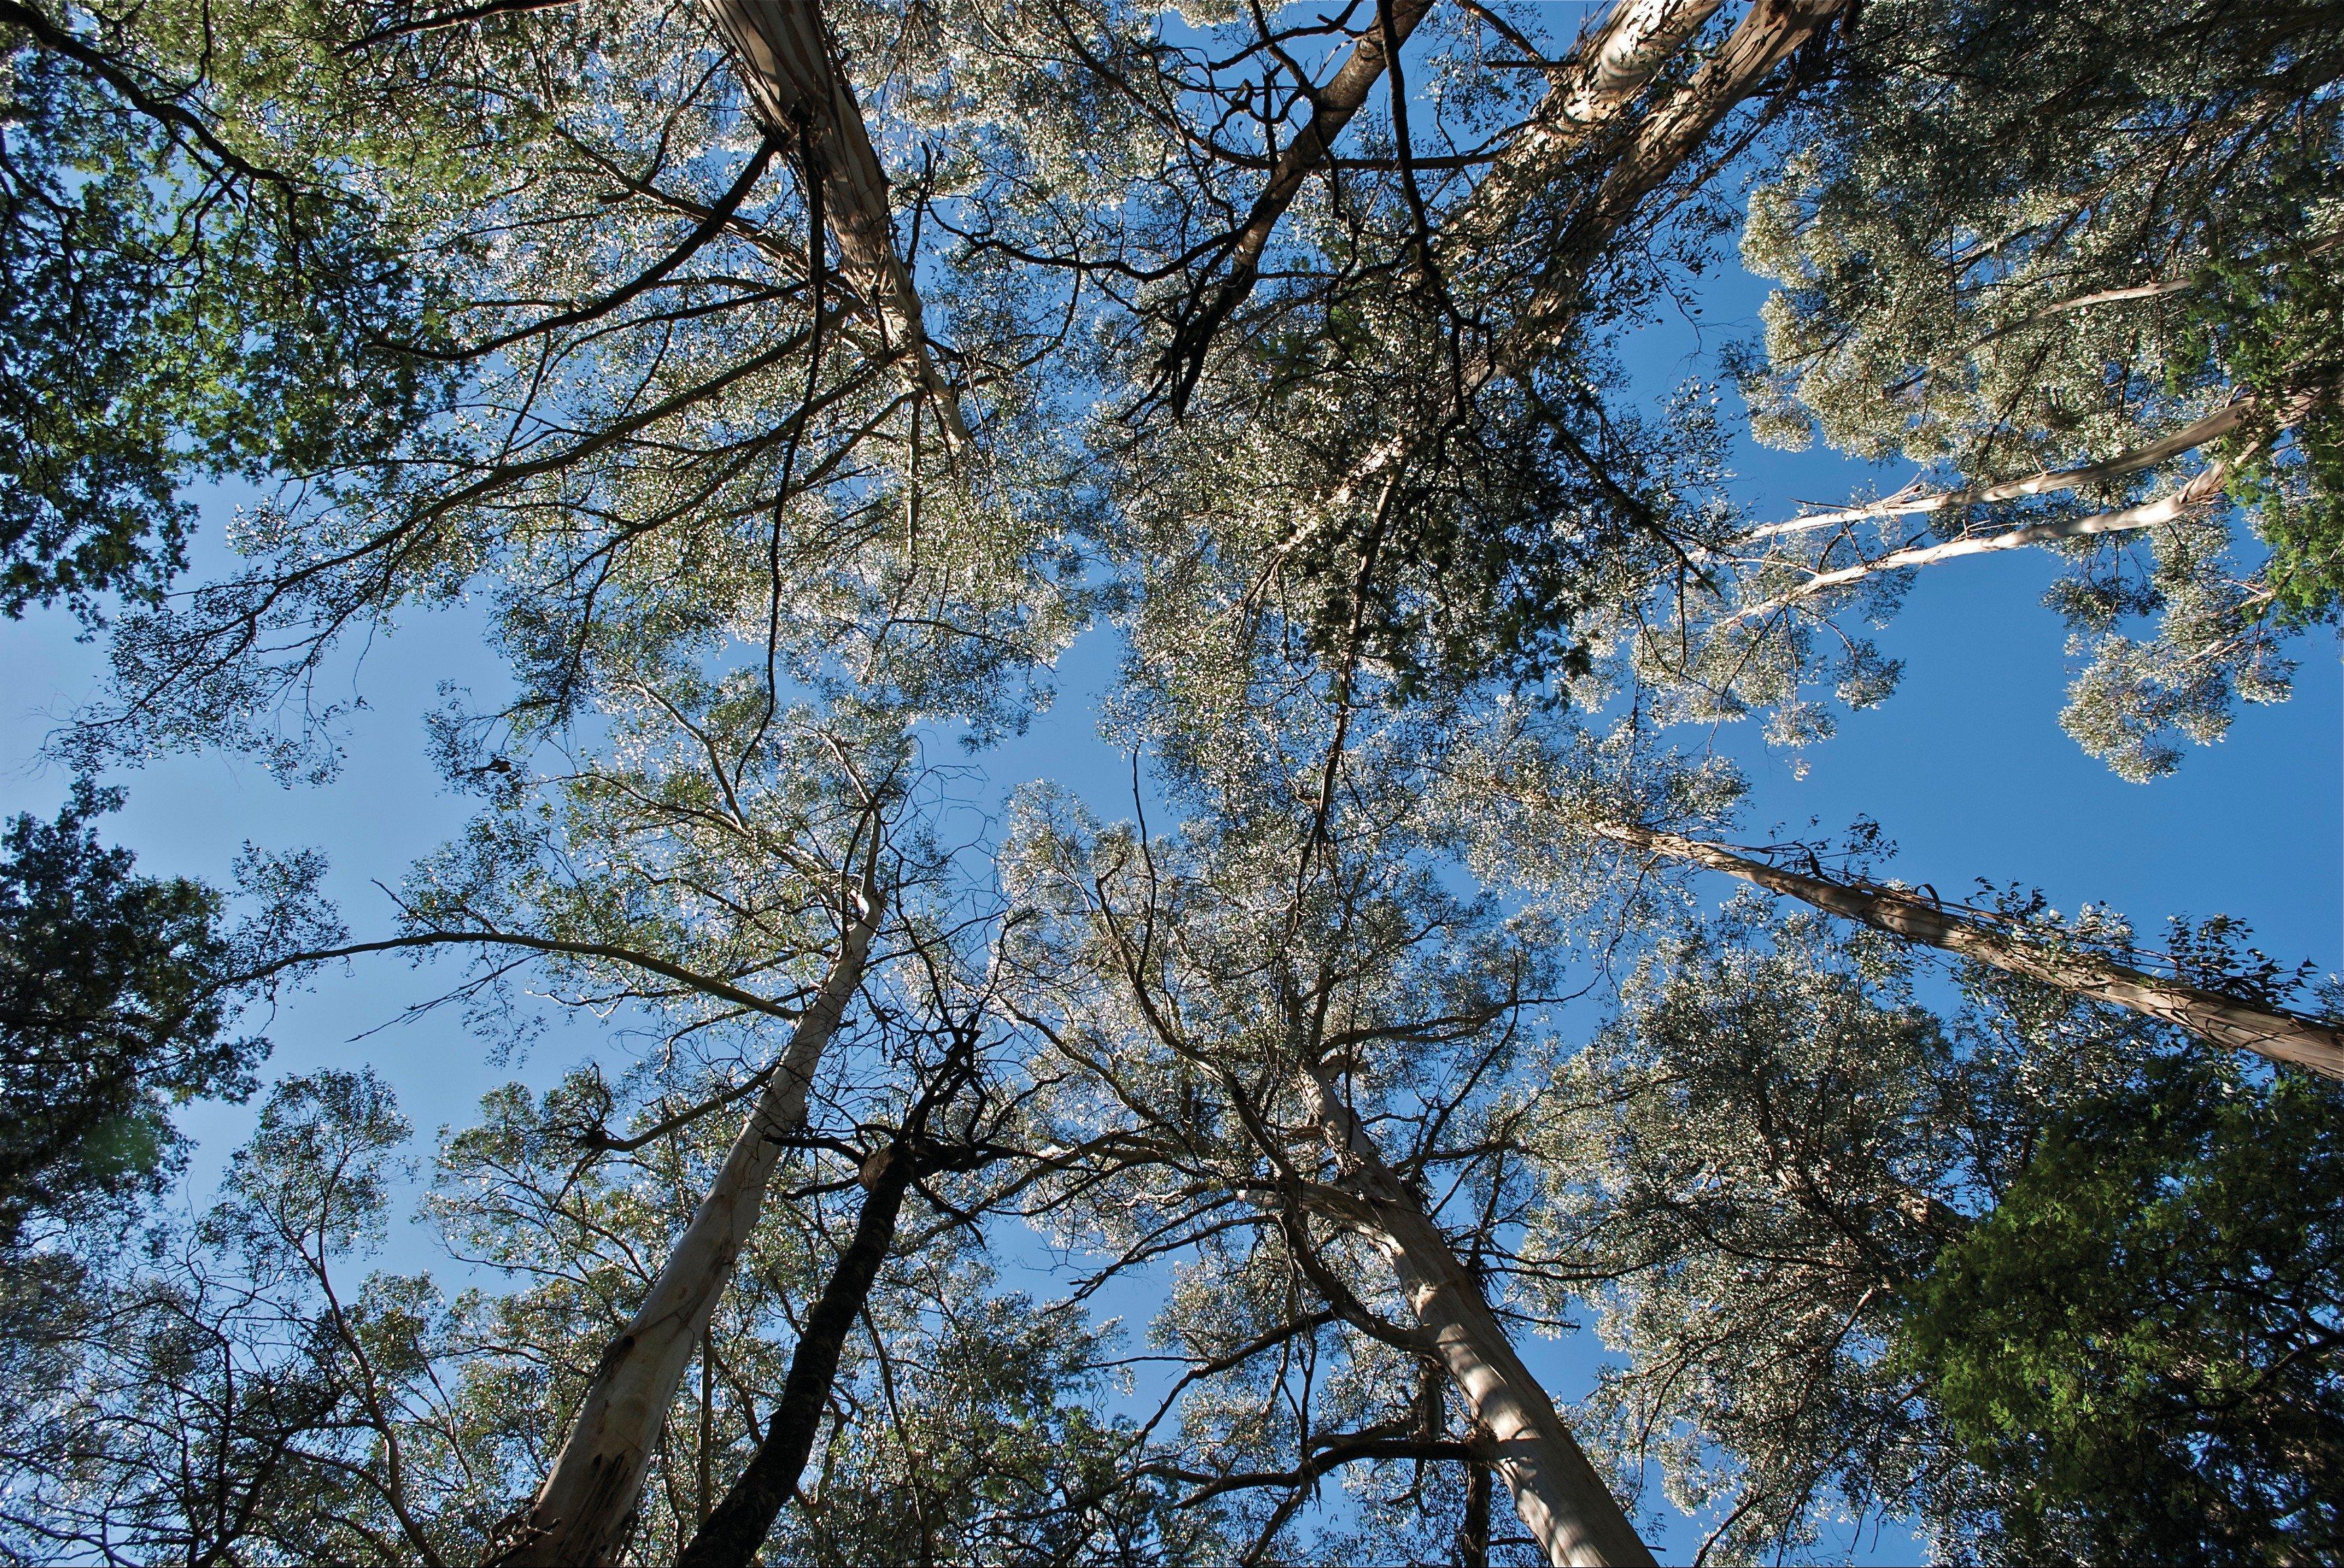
x=2212, y=1015
x=783, y=50
x=1603, y=73
x=1664, y=137
x=1668, y=134
x=2098, y=297
x=582, y=1512
x=731, y=1535
x=2194, y=496
x=1560, y=1498
x=2222, y=423
x=1592, y=85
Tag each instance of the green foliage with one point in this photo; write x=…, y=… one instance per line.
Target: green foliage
x=171, y=310
x=2137, y=1346
x=2276, y=331
x=226, y=1387
x=742, y=588
x=992, y=1449
x=111, y=1014
x=2027, y=236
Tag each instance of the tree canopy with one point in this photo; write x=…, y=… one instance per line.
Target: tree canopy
x=784, y=387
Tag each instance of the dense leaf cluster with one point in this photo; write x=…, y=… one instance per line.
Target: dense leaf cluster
x=112, y=1014
x=2136, y=1344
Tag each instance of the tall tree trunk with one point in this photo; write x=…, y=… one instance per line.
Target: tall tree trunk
x=1662, y=139
x=2212, y=1015
x=581, y=1514
x=1561, y=1499
x=731, y=1535
x=783, y=50
x=1604, y=73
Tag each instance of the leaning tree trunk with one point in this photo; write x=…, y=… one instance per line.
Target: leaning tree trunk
x=1605, y=73
x=1332, y=107
x=1561, y=1499
x=581, y=1514
x=1658, y=143
x=2212, y=1015
x=1662, y=141
x=730, y=1536
x=783, y=50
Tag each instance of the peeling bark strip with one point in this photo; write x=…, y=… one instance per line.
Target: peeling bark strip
x=1561, y=1499
x=1602, y=75
x=783, y=50
x=581, y=1513
x=2212, y=1015
x=730, y=1536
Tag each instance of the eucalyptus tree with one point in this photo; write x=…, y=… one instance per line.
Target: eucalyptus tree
x=1287, y=1054
x=2076, y=265
x=700, y=873
x=199, y=277
x=714, y=446
x=944, y=1419
x=244, y=1388
x=1379, y=375
x=617, y=456
x=731, y=845
x=1239, y=1081
x=2011, y=1273
x=767, y=883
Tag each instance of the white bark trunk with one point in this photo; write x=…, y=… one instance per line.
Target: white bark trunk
x=2050, y=481
x=1670, y=131
x=1601, y=76
x=2194, y=496
x=581, y=1514
x=1559, y=1496
x=1603, y=73
x=2211, y=1016
x=783, y=50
